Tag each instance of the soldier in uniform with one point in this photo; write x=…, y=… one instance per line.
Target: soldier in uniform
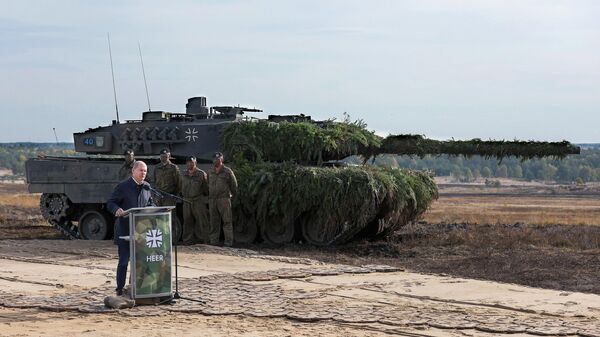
x=166, y=178
x=194, y=189
x=222, y=185
x=125, y=170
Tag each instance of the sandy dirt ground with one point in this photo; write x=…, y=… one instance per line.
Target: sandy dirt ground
x=439, y=278
x=56, y=288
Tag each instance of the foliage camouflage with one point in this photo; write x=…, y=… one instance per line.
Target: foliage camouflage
x=317, y=142
x=302, y=142
x=420, y=146
x=328, y=205
x=334, y=205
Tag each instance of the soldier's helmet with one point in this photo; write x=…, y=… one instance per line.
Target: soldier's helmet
x=217, y=155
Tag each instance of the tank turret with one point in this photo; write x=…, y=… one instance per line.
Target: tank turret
x=193, y=133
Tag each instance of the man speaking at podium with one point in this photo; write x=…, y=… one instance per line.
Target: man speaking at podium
x=130, y=193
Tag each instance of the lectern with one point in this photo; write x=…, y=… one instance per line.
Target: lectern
x=150, y=252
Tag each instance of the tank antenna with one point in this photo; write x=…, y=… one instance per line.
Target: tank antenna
x=112, y=71
x=55, y=137
x=144, y=73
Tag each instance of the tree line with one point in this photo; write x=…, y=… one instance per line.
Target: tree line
x=14, y=155
x=584, y=167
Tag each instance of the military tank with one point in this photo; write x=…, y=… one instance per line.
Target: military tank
x=294, y=182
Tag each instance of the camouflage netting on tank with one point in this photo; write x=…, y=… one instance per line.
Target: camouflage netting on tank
x=334, y=205
x=420, y=146
x=301, y=142
x=316, y=142
x=327, y=205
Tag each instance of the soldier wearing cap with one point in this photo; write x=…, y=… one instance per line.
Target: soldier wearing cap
x=222, y=185
x=194, y=189
x=125, y=170
x=166, y=178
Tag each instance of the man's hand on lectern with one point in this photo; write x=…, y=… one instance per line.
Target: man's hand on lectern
x=119, y=212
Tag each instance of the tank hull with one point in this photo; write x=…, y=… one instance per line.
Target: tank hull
x=329, y=205
x=74, y=193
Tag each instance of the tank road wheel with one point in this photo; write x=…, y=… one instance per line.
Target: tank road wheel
x=278, y=230
x=318, y=233
x=244, y=228
x=54, y=206
x=94, y=225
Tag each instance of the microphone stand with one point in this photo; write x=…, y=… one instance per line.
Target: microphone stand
x=176, y=295
x=163, y=194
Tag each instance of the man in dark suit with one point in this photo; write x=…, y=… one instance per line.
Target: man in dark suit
x=130, y=193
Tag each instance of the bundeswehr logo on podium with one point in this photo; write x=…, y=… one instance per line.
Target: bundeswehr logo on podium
x=154, y=238
x=150, y=252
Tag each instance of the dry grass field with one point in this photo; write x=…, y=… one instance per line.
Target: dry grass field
x=30, y=201
x=20, y=217
x=511, y=209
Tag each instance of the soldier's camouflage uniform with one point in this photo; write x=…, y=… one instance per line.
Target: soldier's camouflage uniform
x=194, y=188
x=221, y=187
x=166, y=179
x=125, y=171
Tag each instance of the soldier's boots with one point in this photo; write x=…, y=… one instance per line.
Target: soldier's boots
x=228, y=234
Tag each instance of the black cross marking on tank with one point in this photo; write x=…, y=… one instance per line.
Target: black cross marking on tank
x=191, y=134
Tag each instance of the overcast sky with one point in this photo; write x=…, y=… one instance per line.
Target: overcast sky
x=463, y=69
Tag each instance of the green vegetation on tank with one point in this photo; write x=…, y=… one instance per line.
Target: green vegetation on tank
x=302, y=142
x=281, y=200
x=499, y=149
x=327, y=205
x=317, y=142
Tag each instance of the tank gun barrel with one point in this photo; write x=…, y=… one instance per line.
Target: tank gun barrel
x=420, y=146
x=308, y=142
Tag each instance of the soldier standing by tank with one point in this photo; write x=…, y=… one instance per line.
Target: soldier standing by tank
x=194, y=189
x=125, y=170
x=166, y=178
x=222, y=185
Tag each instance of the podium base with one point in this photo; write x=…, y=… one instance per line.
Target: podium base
x=155, y=300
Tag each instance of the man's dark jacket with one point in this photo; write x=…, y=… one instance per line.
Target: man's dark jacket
x=128, y=194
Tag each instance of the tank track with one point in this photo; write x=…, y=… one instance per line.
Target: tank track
x=54, y=208
x=67, y=229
